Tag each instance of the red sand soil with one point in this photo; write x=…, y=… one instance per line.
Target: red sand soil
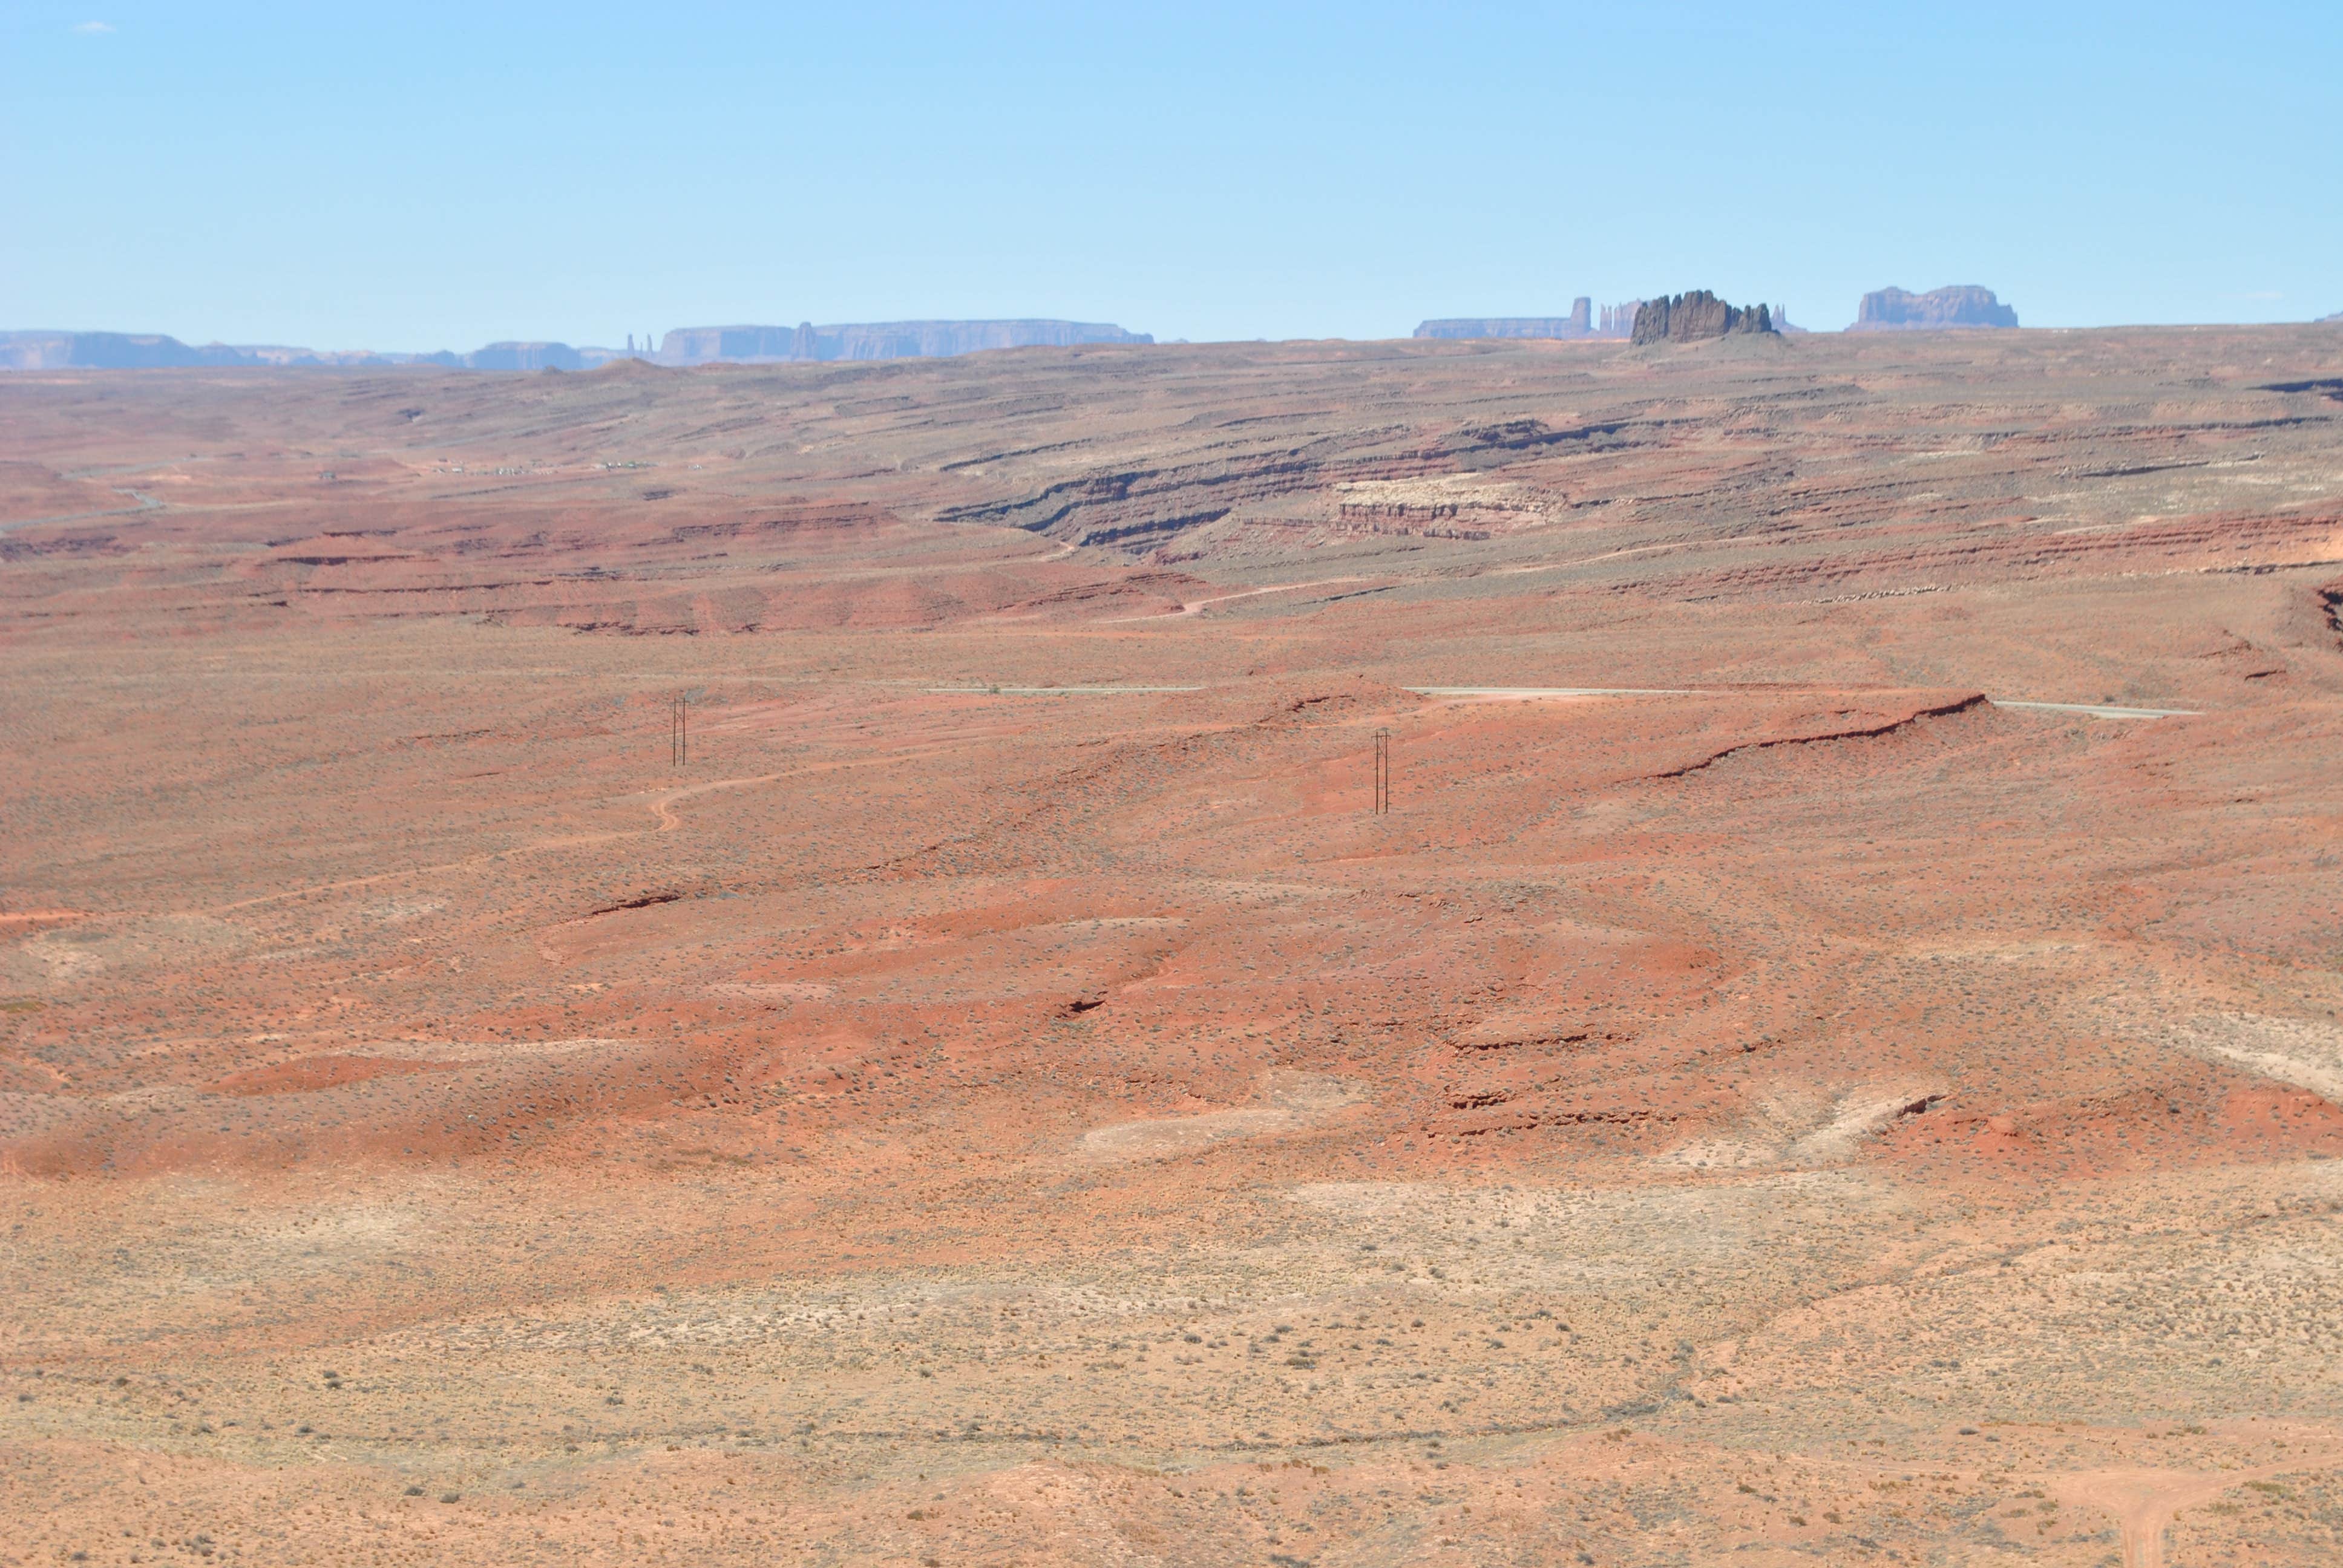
x=1008, y=1097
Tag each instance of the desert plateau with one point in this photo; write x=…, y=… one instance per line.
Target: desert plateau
x=806, y=963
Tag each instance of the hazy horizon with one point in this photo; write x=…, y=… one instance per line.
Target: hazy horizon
x=621, y=348
x=451, y=178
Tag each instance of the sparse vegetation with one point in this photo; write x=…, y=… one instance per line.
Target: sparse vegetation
x=1005, y=1078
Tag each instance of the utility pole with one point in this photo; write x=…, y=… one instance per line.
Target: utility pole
x=1382, y=773
x=678, y=730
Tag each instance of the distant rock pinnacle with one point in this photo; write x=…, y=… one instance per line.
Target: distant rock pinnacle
x=1690, y=318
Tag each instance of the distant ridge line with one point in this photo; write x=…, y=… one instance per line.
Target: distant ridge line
x=67, y=350
x=1616, y=322
x=39, y=350
x=880, y=340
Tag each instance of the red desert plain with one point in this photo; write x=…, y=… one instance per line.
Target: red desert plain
x=800, y=964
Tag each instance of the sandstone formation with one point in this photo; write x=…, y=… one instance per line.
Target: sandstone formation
x=738, y=345
x=1957, y=305
x=1579, y=323
x=1695, y=317
x=1619, y=320
x=878, y=340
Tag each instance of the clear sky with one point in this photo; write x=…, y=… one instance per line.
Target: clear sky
x=415, y=176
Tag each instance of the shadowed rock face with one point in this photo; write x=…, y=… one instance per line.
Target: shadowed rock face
x=1957, y=305
x=1689, y=317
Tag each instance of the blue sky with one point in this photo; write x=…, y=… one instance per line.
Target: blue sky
x=422, y=177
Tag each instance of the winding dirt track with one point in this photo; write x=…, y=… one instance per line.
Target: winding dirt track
x=2144, y=1502
x=1196, y=607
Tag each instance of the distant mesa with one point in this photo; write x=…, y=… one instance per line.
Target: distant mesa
x=877, y=340
x=156, y=351
x=1616, y=321
x=525, y=357
x=107, y=351
x=2332, y=320
x=686, y=346
x=1956, y=305
x=1479, y=326
x=1696, y=316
